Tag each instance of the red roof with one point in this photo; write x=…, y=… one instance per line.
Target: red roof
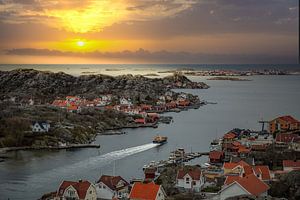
x=72, y=107
x=217, y=155
x=248, y=170
x=288, y=119
x=243, y=149
x=291, y=163
x=286, y=137
x=264, y=171
x=112, y=181
x=232, y=165
x=229, y=136
x=235, y=143
x=230, y=179
x=253, y=185
x=144, y=191
x=81, y=187
x=195, y=173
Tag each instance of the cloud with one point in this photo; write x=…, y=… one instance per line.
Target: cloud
x=90, y=16
x=142, y=55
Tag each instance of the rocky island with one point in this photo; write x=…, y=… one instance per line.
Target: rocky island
x=76, y=109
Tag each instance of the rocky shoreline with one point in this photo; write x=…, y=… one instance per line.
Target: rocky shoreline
x=26, y=96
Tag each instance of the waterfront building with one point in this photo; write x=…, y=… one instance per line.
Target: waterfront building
x=40, y=127
x=81, y=190
x=109, y=187
x=283, y=124
x=216, y=157
x=249, y=185
x=190, y=179
x=149, y=191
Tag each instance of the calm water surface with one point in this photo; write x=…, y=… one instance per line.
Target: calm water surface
x=240, y=104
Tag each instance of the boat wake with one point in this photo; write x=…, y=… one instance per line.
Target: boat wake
x=93, y=163
x=50, y=179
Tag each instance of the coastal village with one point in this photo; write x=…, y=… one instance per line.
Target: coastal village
x=239, y=166
x=243, y=163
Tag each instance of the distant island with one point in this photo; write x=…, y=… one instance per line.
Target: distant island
x=222, y=78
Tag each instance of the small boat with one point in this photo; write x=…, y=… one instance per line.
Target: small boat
x=160, y=140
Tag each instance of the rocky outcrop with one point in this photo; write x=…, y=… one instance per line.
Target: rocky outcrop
x=45, y=86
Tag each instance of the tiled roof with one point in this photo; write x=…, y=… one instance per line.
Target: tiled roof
x=291, y=163
x=230, y=179
x=112, y=181
x=229, y=136
x=195, y=173
x=144, y=191
x=264, y=171
x=230, y=165
x=81, y=187
x=253, y=185
x=216, y=154
x=289, y=119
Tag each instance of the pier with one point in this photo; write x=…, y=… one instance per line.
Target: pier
x=177, y=157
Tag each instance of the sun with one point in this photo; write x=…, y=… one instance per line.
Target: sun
x=80, y=43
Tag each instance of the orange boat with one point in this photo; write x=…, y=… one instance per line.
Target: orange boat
x=160, y=140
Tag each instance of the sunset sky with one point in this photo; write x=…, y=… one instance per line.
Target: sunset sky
x=148, y=31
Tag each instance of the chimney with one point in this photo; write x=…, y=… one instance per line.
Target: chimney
x=80, y=181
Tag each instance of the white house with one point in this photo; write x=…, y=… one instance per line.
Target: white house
x=109, y=187
x=81, y=190
x=124, y=101
x=190, y=179
x=106, y=98
x=40, y=127
x=248, y=185
x=149, y=191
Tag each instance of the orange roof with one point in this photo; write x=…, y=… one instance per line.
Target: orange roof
x=264, y=171
x=291, y=163
x=253, y=185
x=216, y=154
x=195, y=174
x=230, y=179
x=288, y=118
x=232, y=165
x=235, y=143
x=248, y=170
x=144, y=191
x=243, y=149
x=229, y=136
x=81, y=187
x=72, y=107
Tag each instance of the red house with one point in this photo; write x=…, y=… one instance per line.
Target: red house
x=216, y=156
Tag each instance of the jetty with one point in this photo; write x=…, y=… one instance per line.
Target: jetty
x=177, y=157
x=71, y=146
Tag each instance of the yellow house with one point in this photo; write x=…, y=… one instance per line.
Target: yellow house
x=284, y=123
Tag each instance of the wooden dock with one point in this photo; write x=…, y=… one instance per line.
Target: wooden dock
x=176, y=160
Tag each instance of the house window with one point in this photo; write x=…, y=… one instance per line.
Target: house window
x=104, y=187
x=187, y=180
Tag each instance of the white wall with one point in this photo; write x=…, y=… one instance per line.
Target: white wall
x=231, y=191
x=160, y=195
x=183, y=183
x=104, y=192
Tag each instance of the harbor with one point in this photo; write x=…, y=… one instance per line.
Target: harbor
x=177, y=157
